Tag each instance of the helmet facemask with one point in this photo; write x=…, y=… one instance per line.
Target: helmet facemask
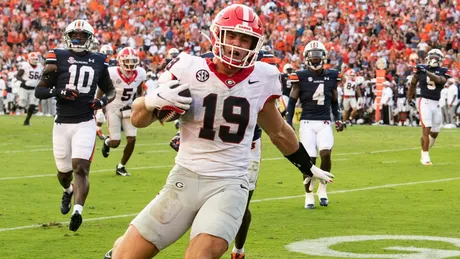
x=315, y=59
x=235, y=56
x=434, y=59
x=32, y=58
x=78, y=41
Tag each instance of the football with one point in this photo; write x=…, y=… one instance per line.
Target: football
x=168, y=114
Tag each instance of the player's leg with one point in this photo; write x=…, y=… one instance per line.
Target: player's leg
x=83, y=145
x=426, y=119
x=62, y=157
x=100, y=118
x=307, y=136
x=130, y=132
x=436, y=125
x=325, y=142
x=354, y=107
x=114, y=126
x=33, y=103
x=346, y=109
x=219, y=218
x=164, y=220
x=253, y=175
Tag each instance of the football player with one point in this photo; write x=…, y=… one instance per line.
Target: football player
x=286, y=87
x=172, y=54
x=72, y=75
x=29, y=76
x=317, y=89
x=351, y=86
x=208, y=188
x=128, y=79
x=253, y=170
x=431, y=79
x=100, y=116
x=402, y=102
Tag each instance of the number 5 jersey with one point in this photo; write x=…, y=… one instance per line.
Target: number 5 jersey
x=80, y=72
x=217, y=131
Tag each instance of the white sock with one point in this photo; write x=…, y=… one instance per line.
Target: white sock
x=69, y=190
x=238, y=251
x=425, y=156
x=77, y=207
x=120, y=166
x=107, y=141
x=432, y=141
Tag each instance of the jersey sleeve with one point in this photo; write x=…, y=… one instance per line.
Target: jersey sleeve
x=447, y=73
x=272, y=89
x=177, y=65
x=51, y=58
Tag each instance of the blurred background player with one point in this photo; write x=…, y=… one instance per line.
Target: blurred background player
x=128, y=79
x=431, y=79
x=317, y=89
x=401, y=103
x=350, y=89
x=151, y=83
x=172, y=54
x=100, y=114
x=286, y=87
x=76, y=73
x=29, y=76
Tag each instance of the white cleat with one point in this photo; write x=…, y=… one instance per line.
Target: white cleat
x=309, y=200
x=322, y=195
x=425, y=162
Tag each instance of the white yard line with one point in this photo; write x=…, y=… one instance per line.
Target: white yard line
x=50, y=148
x=254, y=201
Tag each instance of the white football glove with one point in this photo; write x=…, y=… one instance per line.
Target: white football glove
x=100, y=117
x=164, y=96
x=318, y=173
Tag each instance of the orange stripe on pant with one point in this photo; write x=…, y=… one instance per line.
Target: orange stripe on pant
x=420, y=113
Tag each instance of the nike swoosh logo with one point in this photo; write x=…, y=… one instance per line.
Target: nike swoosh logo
x=252, y=82
x=243, y=187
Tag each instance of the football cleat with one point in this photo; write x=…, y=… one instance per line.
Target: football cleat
x=108, y=255
x=100, y=135
x=75, y=221
x=122, y=171
x=26, y=123
x=237, y=256
x=323, y=202
x=309, y=200
x=425, y=162
x=105, y=149
x=66, y=202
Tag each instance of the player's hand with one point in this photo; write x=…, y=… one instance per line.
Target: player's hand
x=175, y=142
x=338, y=126
x=420, y=69
x=405, y=102
x=323, y=176
x=165, y=96
x=97, y=104
x=100, y=117
x=412, y=103
x=67, y=93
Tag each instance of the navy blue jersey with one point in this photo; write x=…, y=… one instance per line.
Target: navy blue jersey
x=82, y=73
x=428, y=88
x=113, y=62
x=284, y=81
x=316, y=93
x=402, y=91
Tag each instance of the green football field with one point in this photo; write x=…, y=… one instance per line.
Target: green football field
x=383, y=203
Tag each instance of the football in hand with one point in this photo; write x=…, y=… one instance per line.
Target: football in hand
x=171, y=113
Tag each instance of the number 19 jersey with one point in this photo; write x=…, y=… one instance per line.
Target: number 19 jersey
x=217, y=131
x=77, y=72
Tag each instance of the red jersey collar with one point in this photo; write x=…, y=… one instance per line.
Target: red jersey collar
x=230, y=81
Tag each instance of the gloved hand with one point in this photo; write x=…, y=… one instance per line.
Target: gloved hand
x=67, y=93
x=323, y=176
x=165, y=96
x=97, y=104
x=338, y=126
x=412, y=103
x=420, y=69
x=100, y=117
x=175, y=142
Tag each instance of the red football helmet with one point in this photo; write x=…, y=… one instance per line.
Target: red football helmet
x=128, y=59
x=32, y=58
x=240, y=19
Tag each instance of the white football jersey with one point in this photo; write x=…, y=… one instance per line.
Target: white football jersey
x=349, y=88
x=217, y=131
x=31, y=74
x=125, y=87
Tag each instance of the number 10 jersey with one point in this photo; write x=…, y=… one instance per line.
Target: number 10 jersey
x=81, y=73
x=217, y=131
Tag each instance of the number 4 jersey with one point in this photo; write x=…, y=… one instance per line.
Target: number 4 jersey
x=217, y=131
x=81, y=73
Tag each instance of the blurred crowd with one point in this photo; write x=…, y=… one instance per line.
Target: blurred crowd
x=355, y=32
